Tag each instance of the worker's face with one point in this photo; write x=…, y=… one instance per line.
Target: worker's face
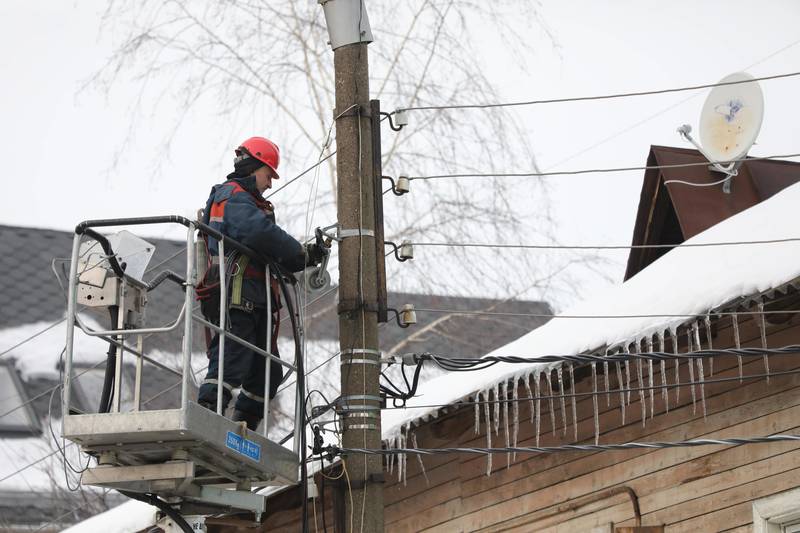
x=264, y=177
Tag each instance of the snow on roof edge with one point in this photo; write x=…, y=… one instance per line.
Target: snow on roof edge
x=685, y=281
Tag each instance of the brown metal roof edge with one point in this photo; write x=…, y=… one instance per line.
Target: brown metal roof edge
x=647, y=201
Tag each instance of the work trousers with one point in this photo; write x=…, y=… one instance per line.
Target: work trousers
x=243, y=367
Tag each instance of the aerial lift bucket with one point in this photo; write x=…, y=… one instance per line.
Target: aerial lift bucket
x=189, y=456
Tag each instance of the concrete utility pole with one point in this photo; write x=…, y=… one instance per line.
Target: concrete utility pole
x=349, y=32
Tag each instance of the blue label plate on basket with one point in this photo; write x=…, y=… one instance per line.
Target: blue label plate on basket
x=243, y=446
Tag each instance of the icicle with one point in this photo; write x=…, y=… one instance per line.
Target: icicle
x=574, y=401
x=530, y=396
x=650, y=378
x=405, y=456
x=621, y=391
x=515, y=417
x=762, y=325
x=640, y=382
x=400, y=444
x=673, y=333
x=560, y=374
x=702, y=386
x=707, y=323
x=504, y=392
x=550, y=398
x=538, y=408
x=627, y=375
x=595, y=410
x=419, y=458
x=689, y=349
x=701, y=377
x=737, y=341
x=662, y=347
x=391, y=456
x=608, y=382
x=496, y=391
x=487, y=415
x=477, y=413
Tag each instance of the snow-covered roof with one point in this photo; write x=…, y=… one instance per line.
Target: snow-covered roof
x=129, y=517
x=686, y=281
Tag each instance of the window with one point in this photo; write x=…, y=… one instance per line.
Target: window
x=779, y=513
x=21, y=418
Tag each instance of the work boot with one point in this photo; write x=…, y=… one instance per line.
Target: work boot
x=251, y=419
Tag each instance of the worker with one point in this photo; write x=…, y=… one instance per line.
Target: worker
x=237, y=209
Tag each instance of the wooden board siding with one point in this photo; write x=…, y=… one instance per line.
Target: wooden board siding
x=708, y=488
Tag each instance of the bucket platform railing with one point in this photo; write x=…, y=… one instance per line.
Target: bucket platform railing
x=188, y=454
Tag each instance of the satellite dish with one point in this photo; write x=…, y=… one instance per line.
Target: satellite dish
x=729, y=124
x=731, y=118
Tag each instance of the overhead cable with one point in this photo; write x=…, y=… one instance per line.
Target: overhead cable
x=593, y=170
x=303, y=173
x=60, y=320
x=522, y=399
x=737, y=441
x=596, y=97
x=601, y=246
x=466, y=362
x=563, y=316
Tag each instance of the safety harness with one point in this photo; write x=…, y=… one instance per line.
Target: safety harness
x=238, y=269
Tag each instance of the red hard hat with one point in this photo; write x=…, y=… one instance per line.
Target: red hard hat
x=262, y=149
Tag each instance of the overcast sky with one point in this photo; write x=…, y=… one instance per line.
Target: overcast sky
x=57, y=143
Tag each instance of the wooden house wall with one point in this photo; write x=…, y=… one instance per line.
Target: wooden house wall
x=707, y=488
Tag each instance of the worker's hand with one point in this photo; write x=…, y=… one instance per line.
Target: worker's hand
x=315, y=253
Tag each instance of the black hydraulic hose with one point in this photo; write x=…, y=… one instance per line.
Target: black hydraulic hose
x=118, y=269
x=163, y=276
x=111, y=365
x=300, y=432
x=163, y=506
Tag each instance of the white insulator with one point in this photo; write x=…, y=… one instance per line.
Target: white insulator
x=408, y=315
x=403, y=184
x=401, y=117
x=406, y=250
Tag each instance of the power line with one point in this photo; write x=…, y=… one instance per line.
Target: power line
x=602, y=246
x=592, y=170
x=737, y=441
x=464, y=362
x=653, y=315
x=306, y=171
x=28, y=339
x=708, y=381
x=60, y=320
x=596, y=97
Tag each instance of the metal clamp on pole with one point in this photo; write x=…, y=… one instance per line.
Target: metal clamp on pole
x=355, y=232
x=368, y=357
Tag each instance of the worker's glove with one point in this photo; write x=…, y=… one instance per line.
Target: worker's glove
x=315, y=253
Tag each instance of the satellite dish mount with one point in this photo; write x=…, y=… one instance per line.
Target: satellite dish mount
x=729, y=124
